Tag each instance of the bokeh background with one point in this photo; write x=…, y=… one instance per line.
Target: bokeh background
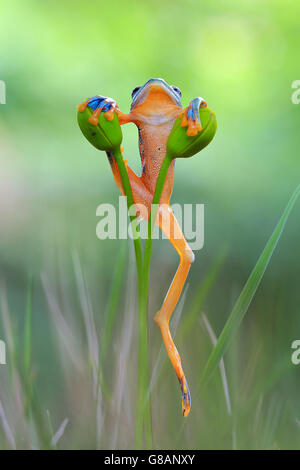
x=242, y=57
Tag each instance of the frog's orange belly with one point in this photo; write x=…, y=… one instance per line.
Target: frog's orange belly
x=153, y=143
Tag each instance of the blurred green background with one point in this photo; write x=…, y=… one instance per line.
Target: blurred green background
x=242, y=57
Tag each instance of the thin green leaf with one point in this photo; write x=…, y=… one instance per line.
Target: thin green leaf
x=113, y=302
x=110, y=318
x=247, y=294
x=27, y=348
x=27, y=334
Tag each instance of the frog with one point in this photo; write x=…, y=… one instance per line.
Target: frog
x=155, y=106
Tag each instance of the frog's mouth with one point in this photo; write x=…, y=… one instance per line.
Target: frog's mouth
x=156, y=89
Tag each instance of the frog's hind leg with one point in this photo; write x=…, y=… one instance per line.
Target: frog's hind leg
x=170, y=227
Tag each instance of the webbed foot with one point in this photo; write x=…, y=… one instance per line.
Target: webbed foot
x=190, y=117
x=99, y=104
x=186, y=396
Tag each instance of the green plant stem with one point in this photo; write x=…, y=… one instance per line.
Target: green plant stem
x=143, y=417
x=152, y=216
x=143, y=405
x=128, y=193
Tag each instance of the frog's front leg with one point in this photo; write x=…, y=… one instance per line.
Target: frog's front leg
x=108, y=106
x=190, y=117
x=104, y=104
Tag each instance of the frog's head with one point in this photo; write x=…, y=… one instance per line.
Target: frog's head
x=155, y=98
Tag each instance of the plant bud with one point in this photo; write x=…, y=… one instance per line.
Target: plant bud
x=181, y=145
x=102, y=133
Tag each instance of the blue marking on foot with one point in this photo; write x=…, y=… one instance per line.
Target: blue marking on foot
x=98, y=102
x=95, y=103
x=106, y=107
x=188, y=394
x=191, y=112
x=186, y=397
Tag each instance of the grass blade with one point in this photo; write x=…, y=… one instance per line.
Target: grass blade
x=57, y=436
x=247, y=294
x=6, y=428
x=113, y=302
x=213, y=339
x=27, y=348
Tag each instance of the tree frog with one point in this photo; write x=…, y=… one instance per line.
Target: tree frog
x=154, y=109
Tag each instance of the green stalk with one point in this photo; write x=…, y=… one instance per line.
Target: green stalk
x=143, y=416
x=127, y=189
x=143, y=404
x=156, y=199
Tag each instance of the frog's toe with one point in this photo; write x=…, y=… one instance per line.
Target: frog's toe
x=185, y=397
x=190, y=117
x=99, y=104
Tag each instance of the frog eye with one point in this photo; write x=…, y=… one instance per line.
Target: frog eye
x=135, y=90
x=203, y=104
x=177, y=90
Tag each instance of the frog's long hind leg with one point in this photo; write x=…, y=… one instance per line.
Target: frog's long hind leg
x=170, y=227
